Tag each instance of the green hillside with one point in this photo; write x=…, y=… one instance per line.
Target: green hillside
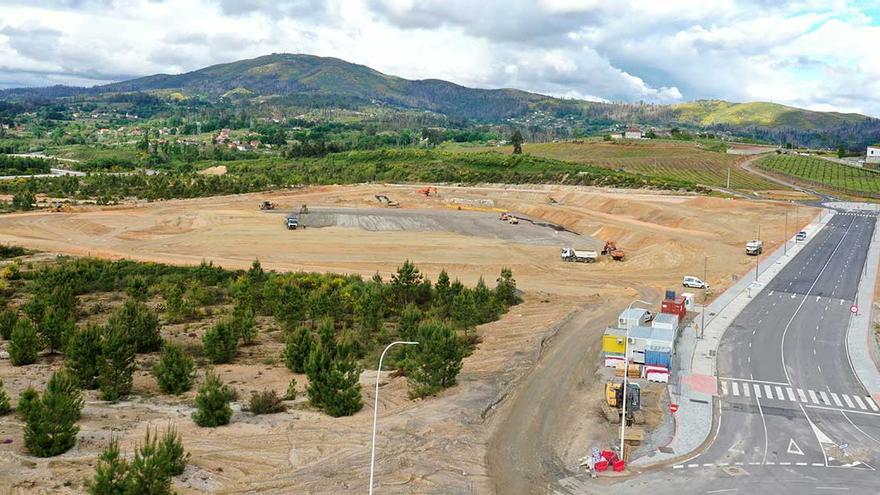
x=717, y=112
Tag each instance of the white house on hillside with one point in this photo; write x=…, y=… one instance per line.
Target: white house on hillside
x=633, y=133
x=873, y=154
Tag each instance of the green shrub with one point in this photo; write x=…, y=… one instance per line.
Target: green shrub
x=175, y=370
x=149, y=473
x=244, y=324
x=266, y=402
x=83, y=356
x=111, y=473
x=55, y=327
x=5, y=406
x=8, y=319
x=155, y=463
x=50, y=428
x=140, y=324
x=296, y=351
x=116, y=366
x=212, y=402
x=291, y=390
x=434, y=364
x=137, y=289
x=220, y=343
x=26, y=401
x=333, y=383
x=173, y=458
x=24, y=343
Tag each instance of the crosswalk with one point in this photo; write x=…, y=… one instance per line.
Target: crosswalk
x=749, y=389
x=858, y=214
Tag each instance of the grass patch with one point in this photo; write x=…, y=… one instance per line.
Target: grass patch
x=853, y=180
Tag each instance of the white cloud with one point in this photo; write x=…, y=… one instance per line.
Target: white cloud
x=813, y=53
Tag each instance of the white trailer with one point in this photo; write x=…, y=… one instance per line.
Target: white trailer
x=570, y=254
x=754, y=247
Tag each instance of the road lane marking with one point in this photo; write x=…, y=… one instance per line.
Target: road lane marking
x=859, y=402
x=844, y=411
x=779, y=393
x=768, y=392
x=735, y=389
x=758, y=391
x=802, y=395
x=836, y=399
x=723, y=387
x=790, y=394
x=746, y=391
x=824, y=398
x=871, y=403
x=846, y=399
x=813, y=396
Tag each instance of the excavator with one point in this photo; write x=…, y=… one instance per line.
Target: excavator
x=390, y=203
x=612, y=250
x=267, y=205
x=428, y=190
x=304, y=209
x=612, y=406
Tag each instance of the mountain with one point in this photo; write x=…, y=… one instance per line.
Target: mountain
x=285, y=74
x=298, y=79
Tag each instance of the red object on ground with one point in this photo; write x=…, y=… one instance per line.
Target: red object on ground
x=618, y=466
x=673, y=407
x=601, y=466
x=608, y=455
x=675, y=307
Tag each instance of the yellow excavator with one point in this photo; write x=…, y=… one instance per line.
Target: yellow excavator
x=612, y=406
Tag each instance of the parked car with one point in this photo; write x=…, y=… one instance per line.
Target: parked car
x=801, y=236
x=694, y=283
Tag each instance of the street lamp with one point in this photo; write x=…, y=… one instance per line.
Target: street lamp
x=625, y=376
x=376, y=408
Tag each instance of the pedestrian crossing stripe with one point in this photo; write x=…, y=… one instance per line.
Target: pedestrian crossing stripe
x=749, y=389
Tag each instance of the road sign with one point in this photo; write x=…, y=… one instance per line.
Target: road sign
x=854, y=309
x=673, y=408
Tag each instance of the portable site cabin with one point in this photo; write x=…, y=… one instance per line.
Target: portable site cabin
x=632, y=317
x=666, y=321
x=613, y=341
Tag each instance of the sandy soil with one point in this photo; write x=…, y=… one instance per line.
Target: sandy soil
x=434, y=446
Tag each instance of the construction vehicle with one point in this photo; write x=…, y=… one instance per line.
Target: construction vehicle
x=504, y=217
x=267, y=205
x=304, y=209
x=390, y=203
x=582, y=256
x=754, y=247
x=59, y=207
x=426, y=191
x=612, y=406
x=292, y=222
x=513, y=220
x=611, y=249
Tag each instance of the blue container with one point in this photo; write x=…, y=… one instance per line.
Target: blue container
x=658, y=356
x=670, y=294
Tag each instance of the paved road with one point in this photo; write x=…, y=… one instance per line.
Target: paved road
x=793, y=418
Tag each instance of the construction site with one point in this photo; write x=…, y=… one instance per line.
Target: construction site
x=533, y=399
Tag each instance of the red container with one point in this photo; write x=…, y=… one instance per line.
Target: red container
x=609, y=455
x=674, y=307
x=601, y=466
x=618, y=466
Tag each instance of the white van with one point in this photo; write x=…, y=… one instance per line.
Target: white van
x=694, y=283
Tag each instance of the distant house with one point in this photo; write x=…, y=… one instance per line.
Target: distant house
x=634, y=133
x=873, y=154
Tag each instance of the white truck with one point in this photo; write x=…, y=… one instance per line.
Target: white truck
x=754, y=247
x=292, y=222
x=570, y=254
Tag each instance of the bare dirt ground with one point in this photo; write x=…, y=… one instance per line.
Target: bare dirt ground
x=478, y=437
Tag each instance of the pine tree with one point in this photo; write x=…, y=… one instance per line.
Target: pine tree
x=116, y=367
x=175, y=370
x=291, y=390
x=434, y=364
x=317, y=368
x=296, y=351
x=220, y=343
x=505, y=290
x=55, y=328
x=517, y=140
x=342, y=390
x=484, y=303
x=23, y=343
x=212, y=402
x=244, y=324
x=369, y=309
x=171, y=453
x=148, y=475
x=348, y=346
x=8, y=319
x=137, y=289
x=111, y=473
x=83, y=355
x=5, y=406
x=464, y=311
x=409, y=322
x=50, y=428
x=327, y=336
x=443, y=294
x=140, y=324
x=405, y=283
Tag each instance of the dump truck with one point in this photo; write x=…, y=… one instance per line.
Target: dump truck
x=428, y=190
x=579, y=255
x=754, y=247
x=292, y=222
x=611, y=249
x=612, y=405
x=267, y=205
x=387, y=201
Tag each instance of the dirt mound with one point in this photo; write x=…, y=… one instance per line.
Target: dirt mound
x=218, y=170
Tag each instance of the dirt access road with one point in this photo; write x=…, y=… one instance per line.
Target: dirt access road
x=438, y=445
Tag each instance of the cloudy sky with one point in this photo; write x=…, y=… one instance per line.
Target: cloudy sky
x=818, y=54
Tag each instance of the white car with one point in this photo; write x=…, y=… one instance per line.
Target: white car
x=694, y=283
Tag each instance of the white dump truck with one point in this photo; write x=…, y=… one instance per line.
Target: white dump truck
x=570, y=254
x=754, y=247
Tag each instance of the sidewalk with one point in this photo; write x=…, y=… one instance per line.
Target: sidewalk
x=694, y=385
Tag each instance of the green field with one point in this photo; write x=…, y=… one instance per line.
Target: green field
x=663, y=159
x=850, y=179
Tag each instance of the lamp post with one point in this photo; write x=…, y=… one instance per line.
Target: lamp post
x=705, y=294
x=376, y=408
x=625, y=376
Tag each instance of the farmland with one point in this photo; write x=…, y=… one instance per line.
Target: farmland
x=823, y=172
x=660, y=159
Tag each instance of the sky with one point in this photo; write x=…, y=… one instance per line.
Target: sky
x=821, y=55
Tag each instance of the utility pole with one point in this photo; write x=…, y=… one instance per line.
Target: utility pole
x=785, y=236
x=705, y=295
x=757, y=262
x=728, y=178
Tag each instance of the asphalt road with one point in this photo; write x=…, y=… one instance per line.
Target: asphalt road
x=794, y=418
